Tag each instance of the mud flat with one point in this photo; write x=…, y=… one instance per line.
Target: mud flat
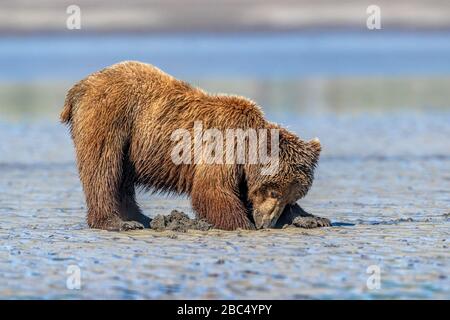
x=386, y=197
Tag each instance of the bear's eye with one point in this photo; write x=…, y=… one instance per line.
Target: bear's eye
x=274, y=194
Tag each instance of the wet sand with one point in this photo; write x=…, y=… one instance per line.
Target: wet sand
x=383, y=181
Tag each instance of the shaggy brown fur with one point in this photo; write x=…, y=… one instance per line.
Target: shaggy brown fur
x=121, y=121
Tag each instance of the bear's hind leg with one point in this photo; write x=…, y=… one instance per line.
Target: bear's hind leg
x=100, y=165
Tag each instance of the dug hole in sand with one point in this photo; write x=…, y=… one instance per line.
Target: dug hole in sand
x=294, y=217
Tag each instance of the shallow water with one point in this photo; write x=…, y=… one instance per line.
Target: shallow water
x=383, y=180
x=258, y=55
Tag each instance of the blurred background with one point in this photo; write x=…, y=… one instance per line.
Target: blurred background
x=379, y=100
x=297, y=56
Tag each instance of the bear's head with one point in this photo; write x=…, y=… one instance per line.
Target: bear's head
x=269, y=194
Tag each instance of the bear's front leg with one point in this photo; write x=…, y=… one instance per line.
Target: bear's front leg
x=215, y=197
x=294, y=215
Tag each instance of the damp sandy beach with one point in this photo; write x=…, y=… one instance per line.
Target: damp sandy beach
x=383, y=178
x=388, y=200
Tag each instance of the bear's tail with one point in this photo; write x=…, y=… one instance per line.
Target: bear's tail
x=72, y=98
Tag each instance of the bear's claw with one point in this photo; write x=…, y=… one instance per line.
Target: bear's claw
x=130, y=225
x=311, y=222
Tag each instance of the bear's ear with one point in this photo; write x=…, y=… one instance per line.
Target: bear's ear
x=315, y=145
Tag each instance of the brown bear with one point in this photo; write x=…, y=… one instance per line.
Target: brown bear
x=122, y=121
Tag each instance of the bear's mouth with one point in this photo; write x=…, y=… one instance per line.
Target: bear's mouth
x=265, y=221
